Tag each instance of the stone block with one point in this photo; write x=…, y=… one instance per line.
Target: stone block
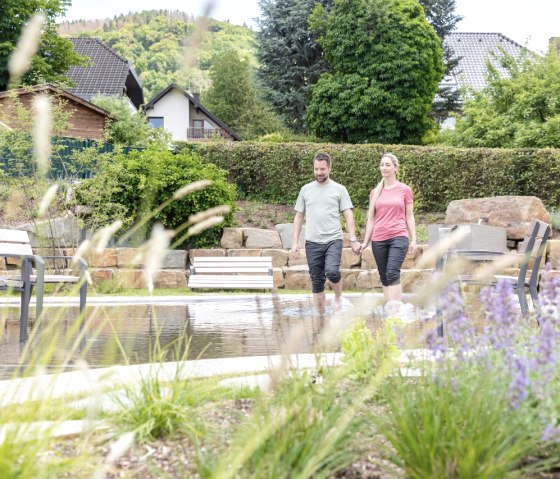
x=349, y=259
x=259, y=238
x=554, y=253
x=413, y=280
x=514, y=213
x=232, y=238
x=129, y=258
x=286, y=232
x=101, y=274
x=278, y=278
x=106, y=259
x=297, y=277
x=279, y=257
x=195, y=253
x=170, y=278
x=368, y=280
x=244, y=252
x=130, y=278
x=349, y=279
x=175, y=259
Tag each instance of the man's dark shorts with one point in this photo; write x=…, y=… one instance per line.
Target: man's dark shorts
x=323, y=260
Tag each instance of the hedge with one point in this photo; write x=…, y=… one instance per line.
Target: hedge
x=275, y=172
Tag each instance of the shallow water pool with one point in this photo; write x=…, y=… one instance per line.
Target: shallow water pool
x=217, y=327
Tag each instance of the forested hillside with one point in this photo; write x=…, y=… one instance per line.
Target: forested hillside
x=167, y=46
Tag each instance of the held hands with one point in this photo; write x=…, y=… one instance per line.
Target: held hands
x=356, y=247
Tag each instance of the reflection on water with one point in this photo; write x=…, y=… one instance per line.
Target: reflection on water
x=216, y=328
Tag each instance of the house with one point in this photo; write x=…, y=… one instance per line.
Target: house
x=86, y=120
x=108, y=75
x=474, y=50
x=182, y=114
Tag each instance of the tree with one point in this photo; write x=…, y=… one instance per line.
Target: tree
x=291, y=59
x=440, y=15
x=56, y=54
x=514, y=111
x=234, y=98
x=128, y=127
x=387, y=63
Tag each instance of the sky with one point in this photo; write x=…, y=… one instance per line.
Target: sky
x=529, y=23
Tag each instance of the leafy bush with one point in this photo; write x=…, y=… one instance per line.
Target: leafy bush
x=130, y=187
x=276, y=171
x=359, y=350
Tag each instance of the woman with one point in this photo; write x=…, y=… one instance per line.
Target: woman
x=390, y=224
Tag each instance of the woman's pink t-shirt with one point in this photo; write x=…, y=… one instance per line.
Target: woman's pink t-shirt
x=390, y=212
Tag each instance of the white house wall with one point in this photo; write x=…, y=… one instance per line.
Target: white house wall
x=174, y=108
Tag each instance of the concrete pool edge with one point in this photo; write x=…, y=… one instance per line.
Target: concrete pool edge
x=181, y=299
x=93, y=381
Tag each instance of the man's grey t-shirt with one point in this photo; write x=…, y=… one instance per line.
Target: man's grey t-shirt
x=322, y=204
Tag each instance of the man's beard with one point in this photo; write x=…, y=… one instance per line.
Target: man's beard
x=321, y=178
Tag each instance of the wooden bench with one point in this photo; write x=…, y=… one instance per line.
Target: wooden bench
x=243, y=272
x=28, y=272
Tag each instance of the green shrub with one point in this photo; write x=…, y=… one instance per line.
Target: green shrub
x=359, y=349
x=130, y=187
x=276, y=171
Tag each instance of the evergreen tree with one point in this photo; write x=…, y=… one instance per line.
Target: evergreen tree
x=290, y=57
x=441, y=15
x=56, y=54
x=234, y=97
x=387, y=63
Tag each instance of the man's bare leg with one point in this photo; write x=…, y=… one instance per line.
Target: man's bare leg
x=319, y=299
x=337, y=289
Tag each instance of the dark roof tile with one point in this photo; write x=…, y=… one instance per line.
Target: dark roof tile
x=106, y=76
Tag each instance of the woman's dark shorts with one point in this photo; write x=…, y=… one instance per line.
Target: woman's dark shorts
x=389, y=256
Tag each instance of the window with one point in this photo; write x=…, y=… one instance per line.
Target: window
x=155, y=121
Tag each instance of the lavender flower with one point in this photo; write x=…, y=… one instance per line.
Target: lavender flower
x=459, y=328
x=519, y=386
x=545, y=358
x=551, y=434
x=502, y=316
x=549, y=308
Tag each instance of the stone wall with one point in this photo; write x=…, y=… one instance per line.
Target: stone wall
x=358, y=272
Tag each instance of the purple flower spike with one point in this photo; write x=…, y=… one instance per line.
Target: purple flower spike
x=519, y=386
x=459, y=328
x=502, y=315
x=549, y=296
x=551, y=434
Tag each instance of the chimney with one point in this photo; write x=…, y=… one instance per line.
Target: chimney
x=196, y=97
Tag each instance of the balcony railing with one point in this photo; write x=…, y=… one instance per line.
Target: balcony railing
x=204, y=133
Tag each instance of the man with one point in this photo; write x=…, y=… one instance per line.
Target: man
x=321, y=202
